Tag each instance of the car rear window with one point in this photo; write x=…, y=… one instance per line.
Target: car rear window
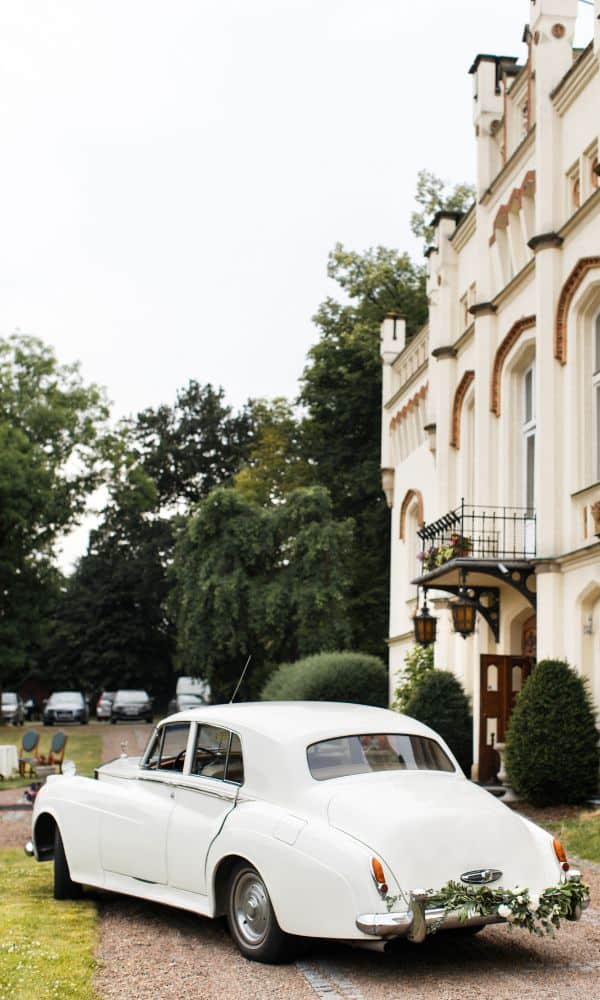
x=347, y=755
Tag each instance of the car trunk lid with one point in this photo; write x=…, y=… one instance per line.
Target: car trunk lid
x=430, y=828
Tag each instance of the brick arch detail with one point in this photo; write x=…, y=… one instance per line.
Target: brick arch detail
x=501, y=355
x=409, y=496
x=459, y=398
x=569, y=288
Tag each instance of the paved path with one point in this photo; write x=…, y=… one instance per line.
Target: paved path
x=148, y=950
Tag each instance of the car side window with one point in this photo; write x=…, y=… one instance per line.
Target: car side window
x=218, y=754
x=166, y=750
x=235, y=762
x=152, y=753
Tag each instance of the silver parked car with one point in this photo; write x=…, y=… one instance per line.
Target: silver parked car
x=13, y=710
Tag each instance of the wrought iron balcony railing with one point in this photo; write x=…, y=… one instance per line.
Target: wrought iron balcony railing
x=500, y=534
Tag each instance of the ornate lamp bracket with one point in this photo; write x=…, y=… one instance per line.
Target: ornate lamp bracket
x=485, y=600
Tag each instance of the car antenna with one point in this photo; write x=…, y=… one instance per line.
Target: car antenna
x=237, y=687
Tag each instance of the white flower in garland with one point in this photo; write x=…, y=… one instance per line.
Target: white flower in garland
x=534, y=902
x=505, y=911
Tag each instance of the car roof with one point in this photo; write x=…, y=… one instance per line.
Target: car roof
x=304, y=721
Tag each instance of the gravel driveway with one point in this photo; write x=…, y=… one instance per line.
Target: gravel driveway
x=147, y=950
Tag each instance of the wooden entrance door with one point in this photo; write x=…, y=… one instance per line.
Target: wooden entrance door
x=501, y=679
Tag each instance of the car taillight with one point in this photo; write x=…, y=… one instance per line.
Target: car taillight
x=379, y=876
x=561, y=855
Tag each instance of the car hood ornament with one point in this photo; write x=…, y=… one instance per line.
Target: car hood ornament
x=481, y=876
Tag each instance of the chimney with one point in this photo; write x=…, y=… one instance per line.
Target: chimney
x=552, y=24
x=487, y=114
x=393, y=337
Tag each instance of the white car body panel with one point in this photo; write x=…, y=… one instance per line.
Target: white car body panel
x=162, y=835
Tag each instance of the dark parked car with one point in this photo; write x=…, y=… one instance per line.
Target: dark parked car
x=12, y=710
x=131, y=706
x=104, y=704
x=65, y=706
x=181, y=702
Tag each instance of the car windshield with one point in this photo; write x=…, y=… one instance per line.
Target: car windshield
x=66, y=698
x=8, y=698
x=375, y=752
x=190, y=699
x=131, y=696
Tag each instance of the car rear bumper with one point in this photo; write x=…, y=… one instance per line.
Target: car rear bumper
x=414, y=922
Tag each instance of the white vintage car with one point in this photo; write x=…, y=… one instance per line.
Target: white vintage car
x=296, y=820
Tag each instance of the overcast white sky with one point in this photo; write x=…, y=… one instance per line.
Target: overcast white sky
x=174, y=172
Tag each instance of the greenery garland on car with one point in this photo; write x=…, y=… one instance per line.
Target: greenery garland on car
x=539, y=913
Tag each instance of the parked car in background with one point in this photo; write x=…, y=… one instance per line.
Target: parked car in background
x=303, y=819
x=195, y=686
x=12, y=711
x=32, y=709
x=66, y=706
x=181, y=702
x=131, y=706
x=104, y=704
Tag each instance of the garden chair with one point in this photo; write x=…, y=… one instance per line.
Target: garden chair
x=57, y=750
x=27, y=757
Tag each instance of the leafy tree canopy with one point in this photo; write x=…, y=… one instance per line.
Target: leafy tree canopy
x=270, y=582
x=341, y=393
x=275, y=465
x=434, y=195
x=51, y=459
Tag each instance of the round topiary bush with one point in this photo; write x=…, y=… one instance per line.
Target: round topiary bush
x=350, y=677
x=552, y=741
x=439, y=701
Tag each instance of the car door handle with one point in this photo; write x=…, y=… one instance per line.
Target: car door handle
x=171, y=795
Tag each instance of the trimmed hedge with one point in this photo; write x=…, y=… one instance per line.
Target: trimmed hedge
x=440, y=702
x=339, y=676
x=552, y=741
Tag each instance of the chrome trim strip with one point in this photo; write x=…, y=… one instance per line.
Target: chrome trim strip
x=212, y=793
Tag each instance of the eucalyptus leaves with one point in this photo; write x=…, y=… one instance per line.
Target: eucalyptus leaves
x=539, y=913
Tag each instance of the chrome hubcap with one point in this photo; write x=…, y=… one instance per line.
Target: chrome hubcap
x=251, y=908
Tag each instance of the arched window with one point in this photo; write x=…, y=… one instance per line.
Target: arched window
x=596, y=396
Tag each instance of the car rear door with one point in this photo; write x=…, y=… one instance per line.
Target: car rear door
x=204, y=796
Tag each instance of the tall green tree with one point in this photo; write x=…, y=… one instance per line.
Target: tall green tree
x=192, y=446
x=113, y=614
x=270, y=582
x=341, y=393
x=274, y=465
x=51, y=460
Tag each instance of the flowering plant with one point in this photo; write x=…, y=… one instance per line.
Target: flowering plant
x=437, y=555
x=538, y=912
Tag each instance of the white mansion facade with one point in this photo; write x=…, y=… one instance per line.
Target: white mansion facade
x=491, y=413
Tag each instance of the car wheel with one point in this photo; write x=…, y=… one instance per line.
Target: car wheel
x=64, y=886
x=113, y=722
x=251, y=919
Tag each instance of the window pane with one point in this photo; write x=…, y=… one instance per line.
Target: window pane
x=151, y=754
x=172, y=757
x=528, y=396
x=597, y=394
x=210, y=754
x=235, y=764
x=378, y=752
x=530, y=471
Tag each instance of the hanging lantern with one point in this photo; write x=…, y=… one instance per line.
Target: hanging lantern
x=425, y=625
x=463, y=616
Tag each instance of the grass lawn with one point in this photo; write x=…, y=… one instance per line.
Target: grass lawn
x=84, y=746
x=46, y=947
x=578, y=828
